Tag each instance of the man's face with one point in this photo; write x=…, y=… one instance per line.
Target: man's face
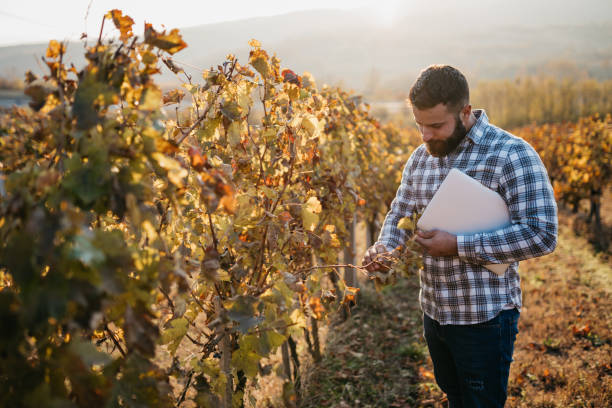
x=442, y=131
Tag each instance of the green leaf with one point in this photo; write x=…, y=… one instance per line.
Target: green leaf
x=87, y=181
x=247, y=361
x=247, y=356
x=83, y=250
x=279, y=294
x=90, y=94
x=209, y=129
x=274, y=339
x=89, y=353
x=231, y=110
x=173, y=336
x=242, y=311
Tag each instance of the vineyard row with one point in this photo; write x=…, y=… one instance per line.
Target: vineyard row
x=147, y=260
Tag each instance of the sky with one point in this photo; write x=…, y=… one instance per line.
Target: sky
x=28, y=21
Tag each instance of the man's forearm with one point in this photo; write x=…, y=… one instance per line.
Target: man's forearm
x=511, y=244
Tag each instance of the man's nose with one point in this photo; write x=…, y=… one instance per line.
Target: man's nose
x=427, y=134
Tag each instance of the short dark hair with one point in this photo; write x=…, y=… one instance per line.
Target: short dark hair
x=440, y=84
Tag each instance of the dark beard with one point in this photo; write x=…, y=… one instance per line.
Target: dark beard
x=440, y=148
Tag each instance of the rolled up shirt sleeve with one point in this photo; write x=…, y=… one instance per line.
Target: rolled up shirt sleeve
x=403, y=205
x=525, y=186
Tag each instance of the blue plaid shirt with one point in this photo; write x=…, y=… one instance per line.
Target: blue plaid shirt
x=459, y=289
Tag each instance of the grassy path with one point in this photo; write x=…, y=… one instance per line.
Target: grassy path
x=378, y=358
x=564, y=349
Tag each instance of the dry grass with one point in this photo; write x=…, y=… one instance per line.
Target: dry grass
x=564, y=351
x=377, y=358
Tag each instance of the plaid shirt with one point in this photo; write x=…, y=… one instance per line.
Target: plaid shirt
x=459, y=289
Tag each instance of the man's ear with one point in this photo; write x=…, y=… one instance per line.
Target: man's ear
x=466, y=111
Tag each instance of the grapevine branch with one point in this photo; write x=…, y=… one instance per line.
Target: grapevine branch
x=205, y=113
x=363, y=268
x=187, y=132
x=167, y=296
x=259, y=156
x=101, y=29
x=184, y=392
x=114, y=339
x=195, y=298
x=287, y=180
x=194, y=341
x=212, y=231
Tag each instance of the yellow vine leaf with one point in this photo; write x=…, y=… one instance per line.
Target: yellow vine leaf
x=123, y=23
x=310, y=209
x=405, y=223
x=170, y=43
x=55, y=49
x=176, y=173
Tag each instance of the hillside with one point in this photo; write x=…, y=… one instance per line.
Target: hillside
x=365, y=53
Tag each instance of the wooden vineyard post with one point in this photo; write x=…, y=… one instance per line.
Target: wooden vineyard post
x=314, y=344
x=296, y=367
x=286, y=362
x=315, y=339
x=350, y=276
x=370, y=231
x=226, y=358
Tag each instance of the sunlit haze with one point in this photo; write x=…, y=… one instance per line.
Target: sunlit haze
x=28, y=21
x=371, y=46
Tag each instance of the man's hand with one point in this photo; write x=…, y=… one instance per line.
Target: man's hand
x=437, y=243
x=376, y=258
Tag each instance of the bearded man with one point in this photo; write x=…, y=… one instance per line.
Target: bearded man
x=470, y=314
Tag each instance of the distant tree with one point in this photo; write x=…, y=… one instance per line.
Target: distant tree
x=542, y=99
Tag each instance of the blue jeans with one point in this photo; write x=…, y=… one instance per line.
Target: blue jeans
x=472, y=362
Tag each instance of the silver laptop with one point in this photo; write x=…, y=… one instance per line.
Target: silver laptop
x=463, y=205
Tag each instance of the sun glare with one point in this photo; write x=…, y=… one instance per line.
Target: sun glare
x=386, y=11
